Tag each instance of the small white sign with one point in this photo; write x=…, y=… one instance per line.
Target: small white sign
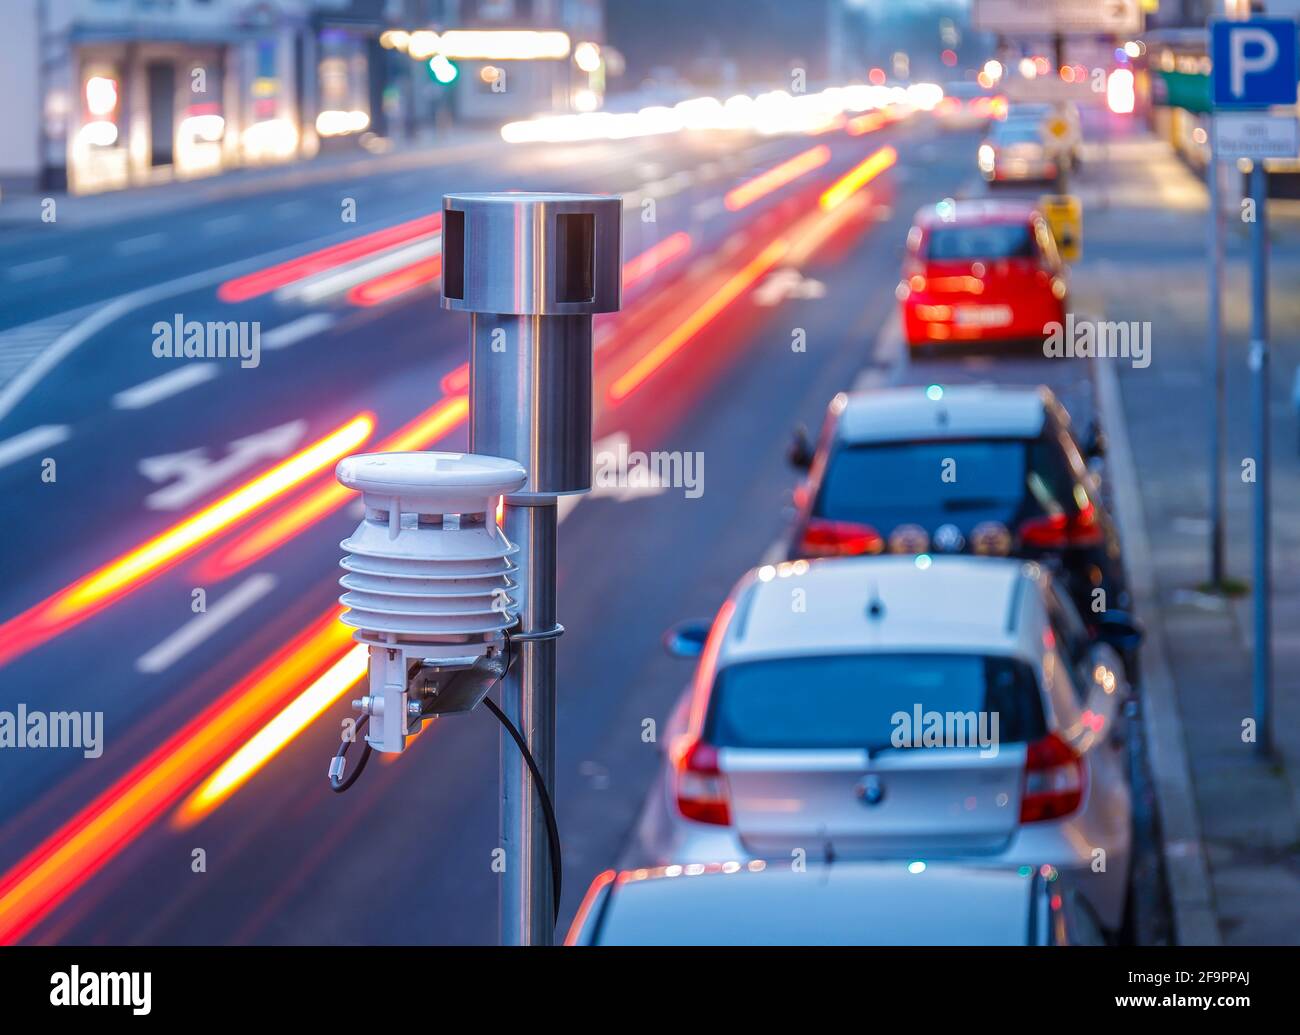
x=1255, y=135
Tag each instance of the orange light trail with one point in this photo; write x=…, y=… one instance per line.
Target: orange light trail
x=251, y=285
x=267, y=742
x=858, y=177
x=778, y=176
x=732, y=289
x=867, y=123
x=457, y=381
x=390, y=285
x=86, y=843
x=270, y=534
x=655, y=257
x=95, y=591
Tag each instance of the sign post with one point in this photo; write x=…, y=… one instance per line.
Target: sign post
x=1255, y=67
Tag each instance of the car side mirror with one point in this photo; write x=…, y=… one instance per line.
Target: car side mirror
x=686, y=639
x=800, y=451
x=1120, y=630
x=1096, y=444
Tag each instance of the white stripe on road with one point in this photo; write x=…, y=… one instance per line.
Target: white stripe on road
x=294, y=331
x=202, y=626
x=223, y=225
x=167, y=385
x=34, y=269
x=32, y=441
x=135, y=245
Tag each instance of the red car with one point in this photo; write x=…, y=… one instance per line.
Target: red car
x=980, y=271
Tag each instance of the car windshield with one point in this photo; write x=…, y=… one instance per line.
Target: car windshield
x=854, y=700
x=1017, y=131
x=909, y=476
x=980, y=241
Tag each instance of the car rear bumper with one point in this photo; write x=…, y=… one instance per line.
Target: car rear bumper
x=1091, y=848
x=925, y=323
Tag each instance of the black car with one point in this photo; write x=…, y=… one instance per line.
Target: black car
x=969, y=469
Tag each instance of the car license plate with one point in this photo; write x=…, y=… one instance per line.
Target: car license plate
x=983, y=315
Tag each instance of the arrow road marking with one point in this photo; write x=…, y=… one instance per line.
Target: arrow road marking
x=195, y=475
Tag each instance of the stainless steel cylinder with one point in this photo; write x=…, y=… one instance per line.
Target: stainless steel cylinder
x=532, y=270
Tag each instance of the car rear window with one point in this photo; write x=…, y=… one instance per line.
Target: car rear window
x=849, y=700
x=862, y=480
x=981, y=241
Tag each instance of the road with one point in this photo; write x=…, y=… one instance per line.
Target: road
x=220, y=480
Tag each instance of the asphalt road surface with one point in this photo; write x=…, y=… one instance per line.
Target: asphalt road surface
x=167, y=481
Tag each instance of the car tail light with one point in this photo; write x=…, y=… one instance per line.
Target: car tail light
x=825, y=538
x=1054, y=780
x=1058, y=531
x=701, y=787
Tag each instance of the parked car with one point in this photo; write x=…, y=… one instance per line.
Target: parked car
x=978, y=271
x=864, y=903
x=1045, y=116
x=810, y=725
x=1015, y=150
x=972, y=469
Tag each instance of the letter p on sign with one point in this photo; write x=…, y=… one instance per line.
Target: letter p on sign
x=1254, y=62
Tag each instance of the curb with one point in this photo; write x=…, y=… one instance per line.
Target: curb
x=1190, y=889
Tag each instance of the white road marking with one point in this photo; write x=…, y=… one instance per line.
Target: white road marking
x=785, y=283
x=296, y=330
x=136, y=245
x=203, y=626
x=193, y=475
x=158, y=388
x=32, y=441
x=28, y=270
x=223, y=225
x=707, y=209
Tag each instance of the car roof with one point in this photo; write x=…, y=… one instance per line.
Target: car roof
x=858, y=903
x=971, y=211
x=940, y=412
x=926, y=604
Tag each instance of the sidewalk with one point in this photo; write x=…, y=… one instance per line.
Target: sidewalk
x=1230, y=819
x=24, y=209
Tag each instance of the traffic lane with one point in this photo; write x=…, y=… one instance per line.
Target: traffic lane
x=447, y=795
x=55, y=268
x=333, y=549
x=107, y=367
x=147, y=611
x=690, y=197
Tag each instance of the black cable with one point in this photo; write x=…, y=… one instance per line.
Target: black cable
x=339, y=786
x=548, y=810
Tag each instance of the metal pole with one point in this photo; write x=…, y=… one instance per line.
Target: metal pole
x=1263, y=661
x=532, y=269
x=528, y=697
x=1215, y=359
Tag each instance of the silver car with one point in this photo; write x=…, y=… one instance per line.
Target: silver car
x=900, y=707
x=865, y=903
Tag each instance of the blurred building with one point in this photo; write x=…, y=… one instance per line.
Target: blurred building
x=105, y=94
x=731, y=43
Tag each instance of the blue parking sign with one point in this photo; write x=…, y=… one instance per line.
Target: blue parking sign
x=1254, y=62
